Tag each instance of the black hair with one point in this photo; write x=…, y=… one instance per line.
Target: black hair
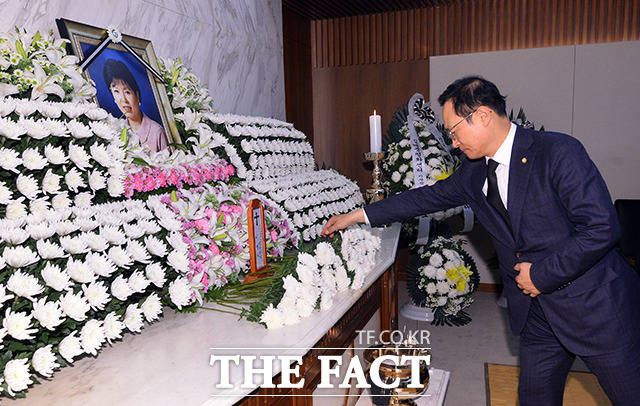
x=471, y=92
x=117, y=70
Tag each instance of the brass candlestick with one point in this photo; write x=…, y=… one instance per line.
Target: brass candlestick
x=376, y=191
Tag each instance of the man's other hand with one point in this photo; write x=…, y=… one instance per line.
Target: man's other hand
x=342, y=221
x=524, y=279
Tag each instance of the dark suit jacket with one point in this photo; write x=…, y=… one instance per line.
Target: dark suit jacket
x=562, y=221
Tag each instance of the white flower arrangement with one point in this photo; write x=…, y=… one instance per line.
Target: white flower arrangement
x=444, y=280
x=319, y=276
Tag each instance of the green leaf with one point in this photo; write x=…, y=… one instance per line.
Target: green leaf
x=21, y=49
x=140, y=162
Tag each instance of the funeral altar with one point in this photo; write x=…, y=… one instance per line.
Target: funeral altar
x=128, y=241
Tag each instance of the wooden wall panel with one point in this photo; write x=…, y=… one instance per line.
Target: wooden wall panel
x=473, y=26
x=380, y=60
x=296, y=49
x=343, y=100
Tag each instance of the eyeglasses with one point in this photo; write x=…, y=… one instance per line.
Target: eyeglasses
x=450, y=131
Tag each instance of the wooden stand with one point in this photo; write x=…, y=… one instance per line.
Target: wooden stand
x=382, y=295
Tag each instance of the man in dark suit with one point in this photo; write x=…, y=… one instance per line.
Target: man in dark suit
x=554, y=228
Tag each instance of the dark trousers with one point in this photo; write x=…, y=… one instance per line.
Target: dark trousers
x=545, y=363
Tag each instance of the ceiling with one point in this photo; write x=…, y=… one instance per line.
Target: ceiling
x=323, y=9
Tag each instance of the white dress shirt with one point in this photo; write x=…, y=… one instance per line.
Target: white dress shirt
x=503, y=158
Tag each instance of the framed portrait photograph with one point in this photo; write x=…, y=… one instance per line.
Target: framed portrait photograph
x=126, y=86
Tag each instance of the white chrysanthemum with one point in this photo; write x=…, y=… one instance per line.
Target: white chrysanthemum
x=133, y=318
x=85, y=225
x=11, y=129
x=40, y=231
x=96, y=114
x=138, y=282
x=28, y=186
x=133, y=231
x=431, y=288
x=32, y=160
x=39, y=208
x=74, y=180
x=50, y=110
x=44, y=361
x=24, y=285
x=100, y=264
x=80, y=271
x=49, y=314
x=112, y=327
x=155, y=273
x=304, y=307
x=151, y=307
x=120, y=257
x=326, y=300
x=25, y=108
x=155, y=246
x=55, y=155
x=272, y=317
x=16, y=210
x=441, y=274
x=64, y=227
x=307, y=268
x=170, y=223
x=74, y=306
x=60, y=202
x=18, y=325
x=395, y=177
x=149, y=226
x=92, y=337
x=96, y=180
x=74, y=245
x=120, y=289
x=13, y=235
x=16, y=375
x=180, y=292
x=102, y=130
x=137, y=252
x=342, y=279
x=101, y=155
x=51, y=183
x=325, y=253
x=113, y=235
x=55, y=278
x=442, y=287
x=115, y=188
x=56, y=127
x=6, y=195
x=79, y=156
x=79, y=130
x=9, y=159
x=70, y=347
x=49, y=250
x=435, y=260
x=95, y=242
x=179, y=261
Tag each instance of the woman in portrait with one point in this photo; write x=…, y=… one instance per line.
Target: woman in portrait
x=126, y=93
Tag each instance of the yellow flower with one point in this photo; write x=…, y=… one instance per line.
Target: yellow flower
x=444, y=175
x=459, y=275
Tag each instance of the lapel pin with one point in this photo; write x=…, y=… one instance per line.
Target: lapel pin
x=524, y=160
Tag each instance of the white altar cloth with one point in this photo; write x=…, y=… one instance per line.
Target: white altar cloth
x=168, y=362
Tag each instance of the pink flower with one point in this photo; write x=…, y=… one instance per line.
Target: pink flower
x=138, y=183
x=230, y=170
x=274, y=235
x=214, y=249
x=209, y=212
x=161, y=180
x=203, y=225
x=149, y=184
x=173, y=177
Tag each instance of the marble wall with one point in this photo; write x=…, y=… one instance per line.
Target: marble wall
x=234, y=46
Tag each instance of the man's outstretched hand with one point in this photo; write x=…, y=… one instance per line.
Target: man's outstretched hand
x=342, y=221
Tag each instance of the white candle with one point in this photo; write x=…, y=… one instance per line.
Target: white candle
x=375, y=132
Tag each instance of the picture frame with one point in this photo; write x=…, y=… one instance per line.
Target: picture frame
x=134, y=92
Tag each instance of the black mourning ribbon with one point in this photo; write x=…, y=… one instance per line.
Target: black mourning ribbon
x=493, y=195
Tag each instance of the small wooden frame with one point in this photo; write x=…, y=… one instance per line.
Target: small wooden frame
x=257, y=238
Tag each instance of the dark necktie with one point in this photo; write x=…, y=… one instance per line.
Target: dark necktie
x=493, y=195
